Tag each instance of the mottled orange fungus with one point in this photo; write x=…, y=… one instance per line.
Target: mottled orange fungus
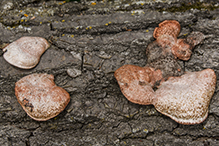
x=184, y=97
x=40, y=97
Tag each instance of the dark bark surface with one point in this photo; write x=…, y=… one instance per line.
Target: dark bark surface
x=89, y=41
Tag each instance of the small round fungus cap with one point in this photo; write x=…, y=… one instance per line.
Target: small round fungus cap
x=40, y=97
x=185, y=99
x=167, y=27
x=25, y=52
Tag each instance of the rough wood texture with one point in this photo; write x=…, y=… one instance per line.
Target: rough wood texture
x=97, y=40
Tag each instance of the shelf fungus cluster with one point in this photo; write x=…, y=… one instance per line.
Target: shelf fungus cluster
x=40, y=97
x=183, y=96
x=25, y=52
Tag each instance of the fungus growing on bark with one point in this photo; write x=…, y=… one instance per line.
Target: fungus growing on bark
x=137, y=83
x=162, y=54
x=167, y=27
x=184, y=97
x=40, y=97
x=25, y=52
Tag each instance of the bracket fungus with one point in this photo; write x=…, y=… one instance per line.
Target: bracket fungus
x=25, y=52
x=183, y=96
x=185, y=99
x=40, y=97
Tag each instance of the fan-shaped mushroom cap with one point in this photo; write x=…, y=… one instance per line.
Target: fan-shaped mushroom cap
x=25, y=52
x=186, y=99
x=40, y=97
x=167, y=27
x=136, y=83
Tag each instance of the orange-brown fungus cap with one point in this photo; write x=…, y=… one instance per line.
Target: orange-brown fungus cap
x=167, y=27
x=40, y=97
x=136, y=83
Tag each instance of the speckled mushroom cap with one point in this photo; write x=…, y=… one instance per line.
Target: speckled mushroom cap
x=136, y=83
x=25, y=52
x=167, y=27
x=186, y=99
x=40, y=97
